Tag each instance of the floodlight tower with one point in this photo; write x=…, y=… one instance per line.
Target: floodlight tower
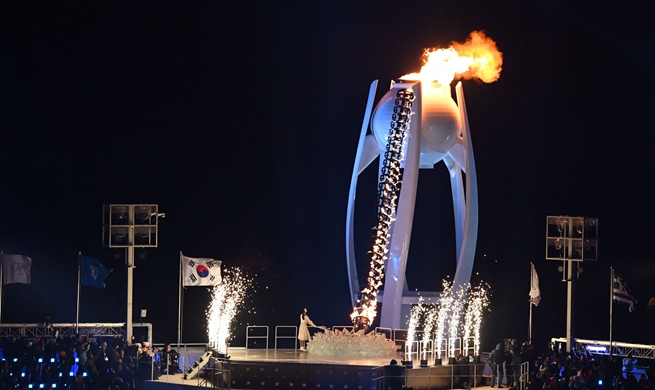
x=571, y=240
x=434, y=128
x=130, y=226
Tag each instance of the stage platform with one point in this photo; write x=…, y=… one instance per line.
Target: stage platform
x=290, y=369
x=297, y=356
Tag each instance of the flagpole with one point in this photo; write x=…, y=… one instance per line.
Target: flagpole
x=79, y=273
x=611, y=304
x=179, y=307
x=530, y=301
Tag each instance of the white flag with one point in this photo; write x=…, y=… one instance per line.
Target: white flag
x=621, y=293
x=535, y=294
x=200, y=272
x=16, y=269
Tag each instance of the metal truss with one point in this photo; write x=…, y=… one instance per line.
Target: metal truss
x=596, y=347
x=61, y=329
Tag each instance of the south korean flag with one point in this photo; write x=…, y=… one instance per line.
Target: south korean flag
x=200, y=271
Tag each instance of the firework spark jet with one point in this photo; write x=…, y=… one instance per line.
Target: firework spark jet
x=227, y=301
x=438, y=131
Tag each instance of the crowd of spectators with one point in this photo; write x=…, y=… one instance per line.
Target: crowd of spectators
x=110, y=363
x=554, y=369
x=81, y=362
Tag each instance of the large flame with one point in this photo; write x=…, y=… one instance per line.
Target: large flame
x=478, y=57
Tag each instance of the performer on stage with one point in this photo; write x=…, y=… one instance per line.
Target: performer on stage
x=303, y=332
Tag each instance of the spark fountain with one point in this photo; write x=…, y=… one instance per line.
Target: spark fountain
x=227, y=301
x=477, y=303
x=414, y=323
x=427, y=342
x=416, y=125
x=443, y=310
x=444, y=319
x=456, y=306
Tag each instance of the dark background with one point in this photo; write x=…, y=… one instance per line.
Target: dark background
x=241, y=122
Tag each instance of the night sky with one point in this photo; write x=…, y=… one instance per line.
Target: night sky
x=241, y=122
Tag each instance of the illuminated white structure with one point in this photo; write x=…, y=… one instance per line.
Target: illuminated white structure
x=437, y=131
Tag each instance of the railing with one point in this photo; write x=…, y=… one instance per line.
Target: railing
x=295, y=334
x=219, y=376
x=249, y=337
x=469, y=346
x=147, y=368
x=399, y=336
x=432, y=377
x=430, y=347
x=441, y=349
x=388, y=332
x=411, y=348
x=461, y=375
x=599, y=347
x=217, y=373
x=189, y=353
x=525, y=376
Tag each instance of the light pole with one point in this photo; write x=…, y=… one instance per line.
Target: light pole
x=571, y=240
x=130, y=226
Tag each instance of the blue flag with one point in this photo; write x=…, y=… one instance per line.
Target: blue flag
x=93, y=273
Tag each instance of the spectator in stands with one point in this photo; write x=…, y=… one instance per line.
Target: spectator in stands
x=128, y=373
x=115, y=356
x=102, y=360
x=631, y=382
x=527, y=355
x=49, y=351
x=549, y=384
x=495, y=362
x=90, y=366
x=65, y=362
x=505, y=369
x=131, y=352
x=145, y=349
x=576, y=382
x=55, y=371
x=146, y=368
x=168, y=360
x=394, y=376
x=78, y=383
x=82, y=346
x=550, y=352
x=46, y=373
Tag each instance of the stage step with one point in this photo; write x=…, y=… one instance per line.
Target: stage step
x=199, y=364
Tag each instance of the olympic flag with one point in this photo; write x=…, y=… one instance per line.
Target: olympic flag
x=16, y=269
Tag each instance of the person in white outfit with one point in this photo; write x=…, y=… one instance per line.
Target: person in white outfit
x=303, y=332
